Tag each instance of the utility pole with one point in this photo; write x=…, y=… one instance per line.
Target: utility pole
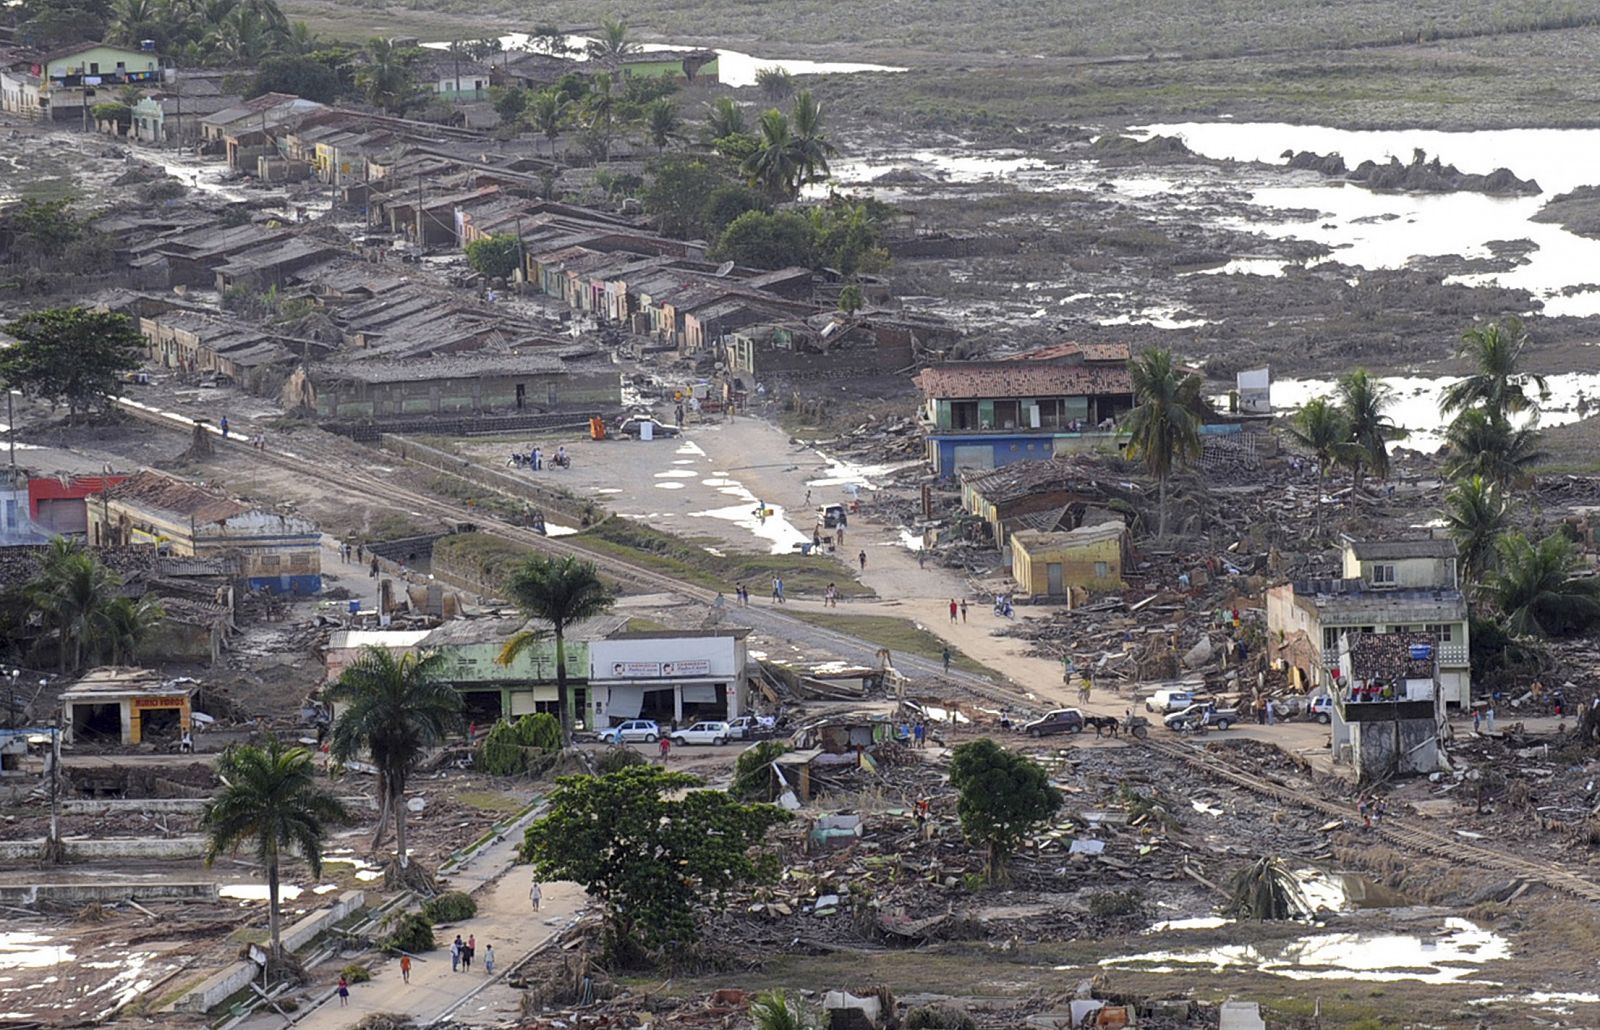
x=522, y=266
x=419, y=211
x=11, y=438
x=53, y=850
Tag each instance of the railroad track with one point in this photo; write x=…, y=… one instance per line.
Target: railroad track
x=1411, y=838
x=310, y=462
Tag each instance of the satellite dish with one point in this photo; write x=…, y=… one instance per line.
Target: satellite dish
x=724, y=268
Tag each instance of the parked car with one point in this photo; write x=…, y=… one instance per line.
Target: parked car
x=1170, y=699
x=1321, y=709
x=1206, y=714
x=713, y=733
x=1062, y=720
x=631, y=427
x=751, y=727
x=631, y=732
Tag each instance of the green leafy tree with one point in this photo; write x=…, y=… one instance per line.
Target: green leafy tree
x=73, y=594
x=850, y=299
x=559, y=592
x=509, y=102
x=1320, y=428
x=1482, y=443
x=678, y=193
x=71, y=356
x=1475, y=515
x=726, y=203
x=752, y=770
x=1497, y=383
x=613, y=40
x=270, y=803
x=302, y=76
x=600, y=108
x=662, y=123
x=726, y=118
x=393, y=708
x=759, y=240
x=652, y=850
x=1164, y=428
x=1003, y=797
x=43, y=227
x=738, y=147
x=549, y=39
x=386, y=79
x=778, y=162
x=1362, y=399
x=845, y=239
x=1536, y=589
x=494, y=256
x=813, y=149
x=774, y=83
x=547, y=113
x=117, y=112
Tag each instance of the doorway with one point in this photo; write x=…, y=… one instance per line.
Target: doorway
x=522, y=396
x=92, y=723
x=1052, y=571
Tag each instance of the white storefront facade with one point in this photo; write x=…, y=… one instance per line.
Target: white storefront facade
x=682, y=675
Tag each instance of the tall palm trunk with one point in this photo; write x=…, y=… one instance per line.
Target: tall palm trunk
x=1322, y=480
x=563, y=693
x=398, y=803
x=1161, y=507
x=274, y=916
x=383, y=813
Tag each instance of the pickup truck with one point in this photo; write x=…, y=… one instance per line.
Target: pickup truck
x=1170, y=700
x=1208, y=715
x=752, y=727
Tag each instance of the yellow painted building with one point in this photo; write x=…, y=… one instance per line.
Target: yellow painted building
x=1090, y=557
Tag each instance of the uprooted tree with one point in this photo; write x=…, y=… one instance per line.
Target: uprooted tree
x=652, y=850
x=1003, y=795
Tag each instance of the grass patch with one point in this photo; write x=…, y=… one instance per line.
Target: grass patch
x=481, y=498
x=490, y=801
x=637, y=625
x=894, y=633
x=486, y=557
x=686, y=558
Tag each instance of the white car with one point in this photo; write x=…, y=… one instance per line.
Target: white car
x=747, y=726
x=714, y=733
x=631, y=732
x=1169, y=700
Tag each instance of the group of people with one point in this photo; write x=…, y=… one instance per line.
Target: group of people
x=958, y=608
x=1002, y=606
x=914, y=733
x=1372, y=809
x=463, y=952
x=357, y=552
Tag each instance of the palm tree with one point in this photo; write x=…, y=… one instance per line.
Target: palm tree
x=1362, y=399
x=385, y=80
x=560, y=592
x=135, y=20
x=1535, y=590
x=775, y=83
x=805, y=119
x=613, y=41
x=547, y=113
x=776, y=164
x=269, y=801
x=773, y=1010
x=1482, y=443
x=127, y=625
x=1498, y=385
x=1320, y=428
x=548, y=39
x=1475, y=516
x=1164, y=429
x=662, y=123
x=726, y=118
x=394, y=709
x=600, y=107
x=75, y=594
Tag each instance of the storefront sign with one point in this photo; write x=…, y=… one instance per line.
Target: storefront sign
x=688, y=667
x=634, y=670
x=160, y=702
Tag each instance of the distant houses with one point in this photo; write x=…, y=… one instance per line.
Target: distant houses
x=59, y=85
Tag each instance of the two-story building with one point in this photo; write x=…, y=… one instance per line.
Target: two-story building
x=682, y=675
x=1386, y=586
x=1056, y=400
x=1388, y=711
x=57, y=85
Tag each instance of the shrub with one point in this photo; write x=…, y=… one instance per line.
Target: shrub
x=501, y=753
x=450, y=907
x=411, y=932
x=540, y=731
x=356, y=973
x=617, y=759
x=1112, y=904
x=494, y=256
x=751, y=780
x=939, y=1017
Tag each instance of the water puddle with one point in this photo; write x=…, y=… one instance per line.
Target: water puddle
x=690, y=448
x=20, y=949
x=1189, y=923
x=677, y=474
x=669, y=486
x=258, y=891
x=366, y=871
x=912, y=541
x=1450, y=955
x=850, y=474
x=774, y=529
x=556, y=529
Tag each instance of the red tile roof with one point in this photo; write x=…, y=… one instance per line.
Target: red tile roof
x=971, y=380
x=166, y=493
x=1082, y=351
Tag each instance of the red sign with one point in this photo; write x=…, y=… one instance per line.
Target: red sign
x=160, y=702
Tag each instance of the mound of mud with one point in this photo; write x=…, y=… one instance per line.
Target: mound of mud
x=1156, y=148
x=1420, y=176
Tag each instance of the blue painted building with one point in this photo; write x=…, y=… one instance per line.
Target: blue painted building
x=1052, y=401
x=276, y=552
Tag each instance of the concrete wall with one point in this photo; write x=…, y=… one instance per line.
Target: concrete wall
x=1376, y=746
x=90, y=849
x=28, y=895
x=308, y=929
x=1031, y=558
x=1410, y=573
x=541, y=391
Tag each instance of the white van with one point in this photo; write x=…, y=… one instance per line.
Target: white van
x=1170, y=699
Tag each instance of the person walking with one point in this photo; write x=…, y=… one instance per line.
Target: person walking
x=665, y=748
x=344, y=992
x=488, y=959
x=373, y=572
x=223, y=425
x=920, y=732
x=862, y=558
x=953, y=608
x=963, y=610
x=455, y=954
x=1477, y=719
x=946, y=657
x=468, y=952
x=405, y=968
x=535, y=895
x=1488, y=719
x=361, y=553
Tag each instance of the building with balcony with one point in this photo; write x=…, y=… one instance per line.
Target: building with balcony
x=1386, y=586
x=56, y=85
x=1047, y=402
x=1388, y=710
